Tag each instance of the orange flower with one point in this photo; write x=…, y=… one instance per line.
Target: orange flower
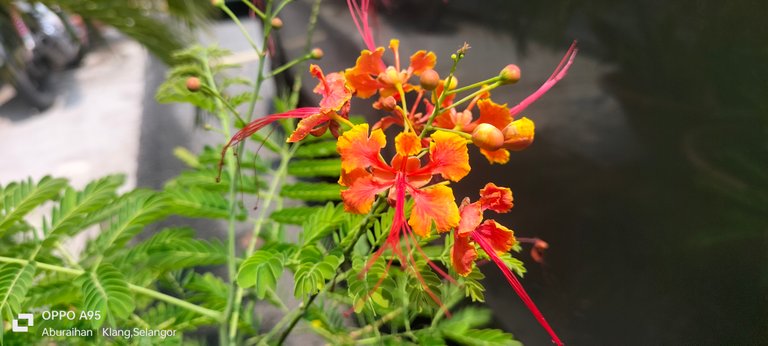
x=334, y=108
x=494, y=239
x=370, y=75
x=366, y=174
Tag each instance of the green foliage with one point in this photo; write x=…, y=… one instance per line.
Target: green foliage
x=481, y=337
x=261, y=271
x=293, y=216
x=106, y=290
x=15, y=281
x=314, y=272
x=318, y=149
x=136, y=210
x=473, y=288
x=71, y=215
x=18, y=199
x=312, y=191
x=315, y=168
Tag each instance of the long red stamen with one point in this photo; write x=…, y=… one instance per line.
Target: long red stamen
x=360, y=17
x=512, y=279
x=556, y=76
x=258, y=124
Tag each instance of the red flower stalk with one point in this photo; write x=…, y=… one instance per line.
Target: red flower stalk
x=494, y=239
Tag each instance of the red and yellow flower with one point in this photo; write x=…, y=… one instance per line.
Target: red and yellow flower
x=494, y=239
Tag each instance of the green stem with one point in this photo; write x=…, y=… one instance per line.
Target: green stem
x=255, y=9
x=138, y=289
x=267, y=28
x=241, y=27
x=472, y=96
x=288, y=65
x=475, y=85
x=375, y=325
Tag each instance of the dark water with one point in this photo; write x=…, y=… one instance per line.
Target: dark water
x=652, y=188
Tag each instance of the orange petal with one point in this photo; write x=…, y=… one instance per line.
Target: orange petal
x=433, y=204
x=332, y=87
x=357, y=150
x=362, y=77
x=349, y=178
x=471, y=217
x=499, y=237
x=422, y=61
x=498, y=199
x=500, y=156
x=359, y=197
x=407, y=144
x=448, y=155
x=493, y=113
x=463, y=255
x=306, y=125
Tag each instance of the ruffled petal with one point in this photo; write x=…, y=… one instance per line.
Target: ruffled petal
x=422, y=61
x=500, y=156
x=493, y=113
x=463, y=255
x=306, y=126
x=362, y=77
x=357, y=150
x=332, y=87
x=433, y=204
x=500, y=238
x=471, y=217
x=498, y=199
x=358, y=198
x=448, y=155
x=407, y=144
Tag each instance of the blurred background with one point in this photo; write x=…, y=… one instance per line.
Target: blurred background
x=648, y=177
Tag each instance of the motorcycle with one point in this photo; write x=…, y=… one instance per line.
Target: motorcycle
x=35, y=41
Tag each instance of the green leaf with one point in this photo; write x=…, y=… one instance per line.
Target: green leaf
x=140, y=252
x=315, y=150
x=363, y=285
x=184, y=253
x=481, y=337
x=137, y=209
x=322, y=223
x=261, y=270
x=53, y=293
x=196, y=202
x=469, y=317
x=473, y=288
x=70, y=215
x=313, y=273
x=293, y=216
x=208, y=290
x=315, y=168
x=513, y=263
x=107, y=291
x=312, y=191
x=20, y=198
x=419, y=288
x=15, y=281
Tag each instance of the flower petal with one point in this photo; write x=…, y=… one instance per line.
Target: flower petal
x=358, y=198
x=500, y=156
x=498, y=199
x=422, y=61
x=306, y=125
x=493, y=113
x=433, y=204
x=407, y=144
x=448, y=155
x=362, y=77
x=500, y=238
x=332, y=87
x=357, y=150
x=471, y=217
x=463, y=255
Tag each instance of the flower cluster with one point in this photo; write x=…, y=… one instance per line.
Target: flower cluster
x=431, y=149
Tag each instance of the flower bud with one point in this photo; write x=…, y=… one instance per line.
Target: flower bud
x=429, y=79
x=277, y=23
x=193, y=84
x=316, y=53
x=518, y=135
x=510, y=74
x=388, y=103
x=217, y=3
x=488, y=137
